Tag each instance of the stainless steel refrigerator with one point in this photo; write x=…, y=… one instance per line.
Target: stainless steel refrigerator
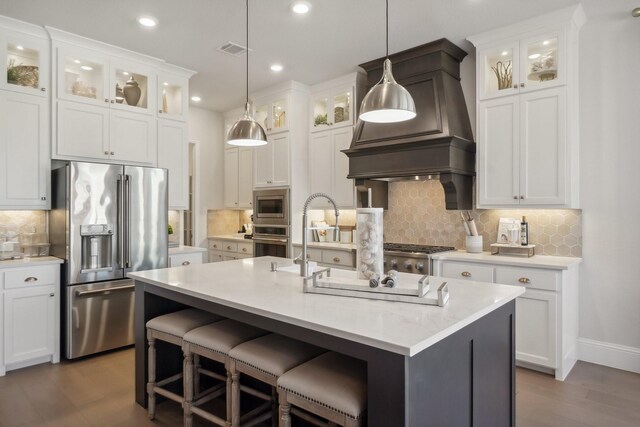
x=106, y=220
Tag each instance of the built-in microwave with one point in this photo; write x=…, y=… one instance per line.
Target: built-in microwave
x=271, y=206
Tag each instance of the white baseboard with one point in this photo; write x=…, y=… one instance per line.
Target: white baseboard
x=608, y=354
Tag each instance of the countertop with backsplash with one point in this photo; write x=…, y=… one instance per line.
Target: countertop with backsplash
x=542, y=261
x=26, y=262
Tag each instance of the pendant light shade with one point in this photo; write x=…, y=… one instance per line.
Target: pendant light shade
x=246, y=131
x=387, y=101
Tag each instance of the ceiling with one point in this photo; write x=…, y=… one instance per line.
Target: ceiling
x=328, y=42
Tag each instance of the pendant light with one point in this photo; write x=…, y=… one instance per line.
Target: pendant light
x=387, y=101
x=246, y=131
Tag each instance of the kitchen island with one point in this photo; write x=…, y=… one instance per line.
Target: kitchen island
x=426, y=365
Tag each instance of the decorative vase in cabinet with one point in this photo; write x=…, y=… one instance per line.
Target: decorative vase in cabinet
x=132, y=92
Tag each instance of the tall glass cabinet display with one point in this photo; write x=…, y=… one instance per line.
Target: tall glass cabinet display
x=82, y=77
x=332, y=108
x=172, y=96
x=25, y=63
x=523, y=65
x=272, y=116
x=132, y=87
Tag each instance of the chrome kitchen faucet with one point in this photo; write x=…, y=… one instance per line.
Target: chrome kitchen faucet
x=302, y=258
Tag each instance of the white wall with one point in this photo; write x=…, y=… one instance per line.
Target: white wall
x=610, y=184
x=206, y=129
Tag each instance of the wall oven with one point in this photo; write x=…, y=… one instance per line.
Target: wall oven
x=271, y=240
x=271, y=207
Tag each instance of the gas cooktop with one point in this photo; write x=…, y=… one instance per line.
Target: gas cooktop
x=416, y=249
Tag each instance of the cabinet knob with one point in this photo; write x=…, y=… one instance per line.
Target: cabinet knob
x=186, y=263
x=159, y=111
x=113, y=101
x=525, y=280
x=52, y=294
x=228, y=248
x=106, y=153
x=244, y=249
x=113, y=153
x=106, y=100
x=515, y=86
x=466, y=274
x=236, y=203
x=336, y=259
x=522, y=197
x=308, y=256
x=250, y=203
x=43, y=89
x=43, y=198
x=31, y=279
x=515, y=197
x=521, y=84
x=215, y=246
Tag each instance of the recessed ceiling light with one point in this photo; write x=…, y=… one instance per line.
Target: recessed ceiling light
x=546, y=42
x=301, y=7
x=147, y=21
x=125, y=73
x=165, y=83
x=276, y=67
x=77, y=61
x=19, y=47
x=505, y=53
x=196, y=99
x=86, y=68
x=534, y=56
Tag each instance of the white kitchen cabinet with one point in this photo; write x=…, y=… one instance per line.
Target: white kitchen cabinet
x=329, y=167
x=522, y=150
x=133, y=138
x=24, y=151
x=30, y=315
x=271, y=162
x=26, y=63
x=221, y=249
x=238, y=178
x=173, y=96
x=546, y=314
x=173, y=155
x=527, y=152
x=272, y=113
x=326, y=256
x=178, y=260
x=332, y=108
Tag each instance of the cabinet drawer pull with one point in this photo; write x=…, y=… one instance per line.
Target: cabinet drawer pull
x=106, y=152
x=524, y=280
x=522, y=197
x=31, y=279
x=515, y=197
x=466, y=274
x=336, y=259
x=43, y=89
x=106, y=100
x=52, y=294
x=186, y=263
x=521, y=84
x=228, y=248
x=308, y=256
x=244, y=249
x=515, y=86
x=215, y=246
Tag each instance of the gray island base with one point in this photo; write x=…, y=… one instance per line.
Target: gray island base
x=426, y=365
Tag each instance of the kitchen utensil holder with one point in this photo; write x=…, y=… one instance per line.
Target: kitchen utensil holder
x=474, y=244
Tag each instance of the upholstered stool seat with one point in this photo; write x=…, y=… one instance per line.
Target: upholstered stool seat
x=265, y=358
x=331, y=386
x=170, y=328
x=213, y=341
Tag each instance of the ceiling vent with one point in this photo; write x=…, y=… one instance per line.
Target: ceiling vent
x=232, y=48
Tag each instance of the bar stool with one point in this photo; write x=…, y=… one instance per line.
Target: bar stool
x=265, y=359
x=213, y=341
x=331, y=386
x=170, y=328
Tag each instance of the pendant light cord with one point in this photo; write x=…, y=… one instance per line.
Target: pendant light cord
x=387, y=19
x=247, y=74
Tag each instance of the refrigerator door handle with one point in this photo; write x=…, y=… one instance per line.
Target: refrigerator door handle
x=127, y=221
x=120, y=221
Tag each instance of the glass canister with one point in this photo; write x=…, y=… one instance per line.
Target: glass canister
x=369, y=254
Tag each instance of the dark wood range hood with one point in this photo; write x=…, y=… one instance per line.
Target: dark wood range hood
x=438, y=141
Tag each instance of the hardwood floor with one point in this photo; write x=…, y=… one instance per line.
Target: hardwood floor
x=98, y=391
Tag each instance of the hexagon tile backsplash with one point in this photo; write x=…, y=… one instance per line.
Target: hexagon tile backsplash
x=417, y=215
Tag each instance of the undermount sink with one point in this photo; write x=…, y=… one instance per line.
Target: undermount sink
x=295, y=268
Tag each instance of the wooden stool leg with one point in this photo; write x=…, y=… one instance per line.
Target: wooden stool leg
x=274, y=407
x=228, y=397
x=188, y=387
x=152, y=377
x=285, y=409
x=196, y=375
x=235, y=395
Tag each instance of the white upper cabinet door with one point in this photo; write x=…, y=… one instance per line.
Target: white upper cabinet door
x=173, y=155
x=543, y=61
x=132, y=87
x=498, y=152
x=343, y=187
x=273, y=114
x=133, y=138
x=245, y=177
x=281, y=168
x=24, y=150
x=543, y=147
x=536, y=327
x=26, y=63
x=332, y=108
x=173, y=97
x=82, y=76
x=231, y=177
x=263, y=165
x=498, y=70
x=82, y=131
x=321, y=167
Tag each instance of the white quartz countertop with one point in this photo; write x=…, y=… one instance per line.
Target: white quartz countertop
x=330, y=245
x=234, y=237
x=540, y=261
x=33, y=261
x=404, y=328
x=186, y=250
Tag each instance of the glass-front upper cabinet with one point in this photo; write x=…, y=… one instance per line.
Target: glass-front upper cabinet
x=272, y=116
x=521, y=66
x=332, y=108
x=26, y=63
x=82, y=76
x=172, y=96
x=132, y=87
